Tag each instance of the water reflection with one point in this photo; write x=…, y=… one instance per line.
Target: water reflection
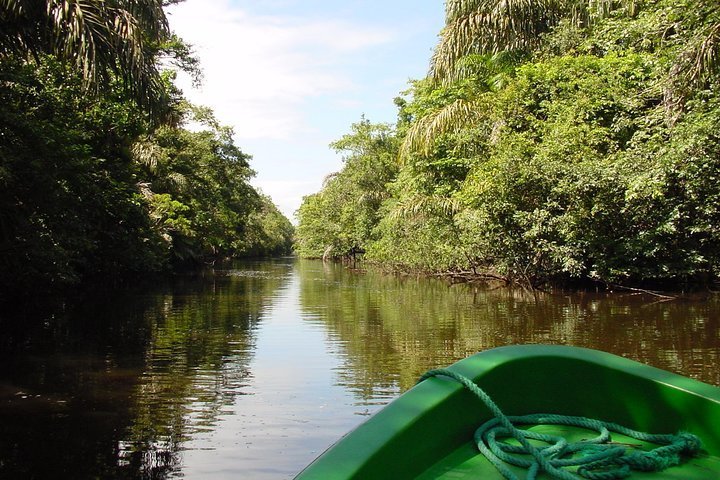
x=198, y=361
x=116, y=388
x=392, y=329
x=251, y=370
x=65, y=390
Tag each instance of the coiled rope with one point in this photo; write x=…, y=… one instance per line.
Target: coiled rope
x=596, y=458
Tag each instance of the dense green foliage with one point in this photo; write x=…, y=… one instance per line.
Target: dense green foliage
x=200, y=201
x=99, y=178
x=590, y=152
x=341, y=218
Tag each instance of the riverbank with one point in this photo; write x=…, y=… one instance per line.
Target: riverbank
x=661, y=290
x=587, y=154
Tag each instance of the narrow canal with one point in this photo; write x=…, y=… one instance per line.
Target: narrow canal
x=251, y=371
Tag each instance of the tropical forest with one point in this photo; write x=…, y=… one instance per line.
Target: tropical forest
x=531, y=212
x=106, y=170
x=563, y=142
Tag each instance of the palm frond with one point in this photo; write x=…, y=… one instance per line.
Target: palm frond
x=458, y=38
x=422, y=134
x=694, y=67
x=419, y=206
x=150, y=16
x=483, y=66
x=146, y=152
x=491, y=26
x=99, y=37
x=177, y=180
x=702, y=60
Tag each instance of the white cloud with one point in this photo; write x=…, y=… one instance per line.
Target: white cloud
x=290, y=84
x=260, y=71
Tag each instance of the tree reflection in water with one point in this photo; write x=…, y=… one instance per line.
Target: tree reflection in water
x=394, y=328
x=197, y=363
x=114, y=388
x=252, y=371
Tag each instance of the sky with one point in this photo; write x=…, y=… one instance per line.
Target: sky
x=292, y=76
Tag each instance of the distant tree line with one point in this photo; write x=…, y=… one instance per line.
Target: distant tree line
x=99, y=175
x=552, y=141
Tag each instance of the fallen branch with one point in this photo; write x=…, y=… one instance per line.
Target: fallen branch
x=642, y=290
x=472, y=276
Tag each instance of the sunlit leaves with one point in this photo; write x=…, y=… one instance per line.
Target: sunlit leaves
x=341, y=217
x=540, y=148
x=422, y=134
x=198, y=191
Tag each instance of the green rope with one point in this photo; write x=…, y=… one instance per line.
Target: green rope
x=595, y=458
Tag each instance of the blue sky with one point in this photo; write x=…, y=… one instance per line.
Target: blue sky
x=291, y=76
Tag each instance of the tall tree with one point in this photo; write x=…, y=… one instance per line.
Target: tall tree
x=341, y=218
x=491, y=26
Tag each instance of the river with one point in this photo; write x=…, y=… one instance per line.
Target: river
x=252, y=370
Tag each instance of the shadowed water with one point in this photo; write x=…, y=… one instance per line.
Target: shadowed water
x=251, y=371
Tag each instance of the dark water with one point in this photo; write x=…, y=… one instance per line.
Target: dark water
x=252, y=371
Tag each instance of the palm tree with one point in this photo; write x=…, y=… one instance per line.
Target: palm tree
x=492, y=26
x=102, y=38
x=497, y=32
x=697, y=63
x=491, y=72
x=489, y=27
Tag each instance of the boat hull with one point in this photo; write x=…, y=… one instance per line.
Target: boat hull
x=427, y=432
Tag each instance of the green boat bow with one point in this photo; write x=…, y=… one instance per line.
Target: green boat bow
x=428, y=431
